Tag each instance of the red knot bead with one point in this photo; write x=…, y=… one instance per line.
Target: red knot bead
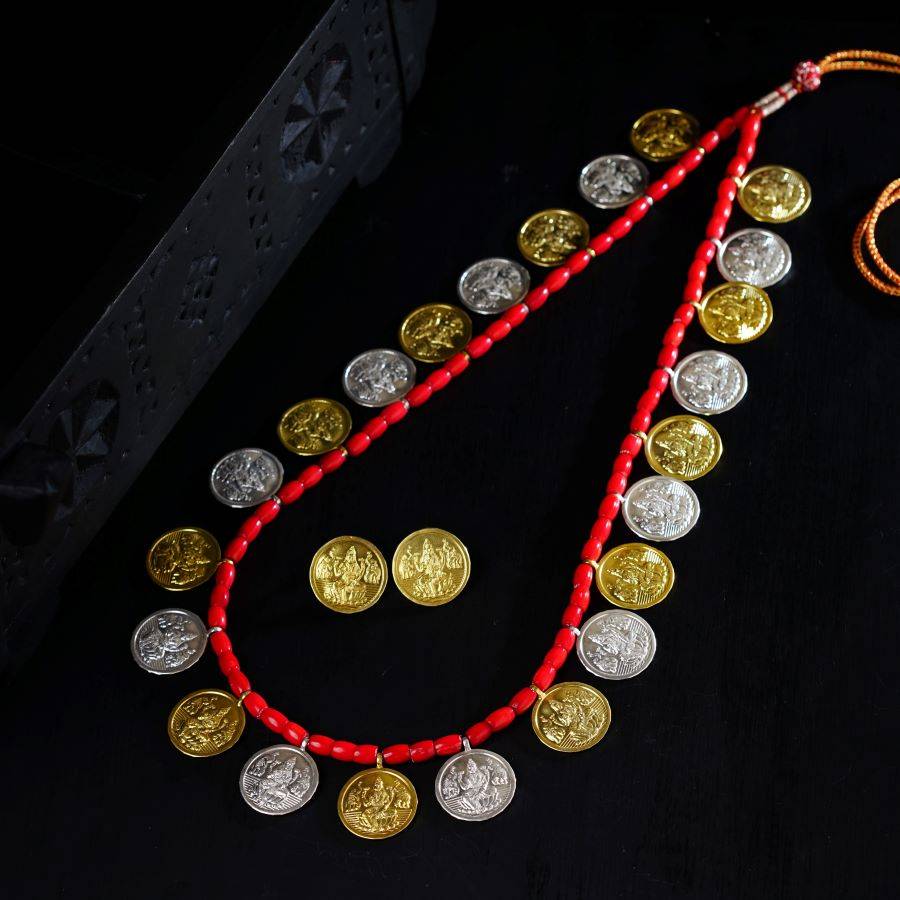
x=478, y=733
x=226, y=573
x=565, y=638
x=478, y=346
x=537, y=298
x=320, y=744
x=376, y=427
x=807, y=76
x=523, y=700
x=439, y=379
x=343, y=751
x=501, y=718
x=358, y=443
x=448, y=745
x=396, y=754
x=498, y=330
x=366, y=754
x=332, y=461
x=228, y=663
x=273, y=720
x=579, y=261
x=237, y=548
x=544, y=677
x=215, y=617
x=290, y=492
x=602, y=242
x=294, y=733
x=396, y=411
x=311, y=476
x=267, y=511
x=557, y=279
x=238, y=682
x=254, y=704
x=419, y=395
x=220, y=596
x=421, y=751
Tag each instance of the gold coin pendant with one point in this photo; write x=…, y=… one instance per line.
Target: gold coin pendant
x=684, y=447
x=551, y=236
x=431, y=567
x=206, y=723
x=435, y=332
x=571, y=716
x=377, y=803
x=314, y=426
x=348, y=574
x=183, y=558
x=635, y=576
x=735, y=313
x=774, y=194
x=664, y=134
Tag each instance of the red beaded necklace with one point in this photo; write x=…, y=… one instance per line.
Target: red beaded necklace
x=747, y=122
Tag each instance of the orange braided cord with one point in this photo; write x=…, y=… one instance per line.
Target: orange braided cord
x=866, y=229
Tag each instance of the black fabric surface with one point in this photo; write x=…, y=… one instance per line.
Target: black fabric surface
x=757, y=756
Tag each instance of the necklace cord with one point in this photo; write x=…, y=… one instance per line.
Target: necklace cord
x=864, y=239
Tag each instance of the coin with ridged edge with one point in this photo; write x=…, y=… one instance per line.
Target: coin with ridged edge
x=735, y=313
x=635, y=576
x=348, y=574
x=664, y=134
x=377, y=803
x=475, y=785
x=551, y=236
x=379, y=377
x=434, y=332
x=660, y=508
x=570, y=717
x=493, y=285
x=314, y=426
x=684, y=447
x=709, y=382
x=206, y=723
x=279, y=780
x=183, y=558
x=168, y=641
x=754, y=256
x=431, y=566
x=774, y=194
x=246, y=477
x=616, y=644
x=613, y=181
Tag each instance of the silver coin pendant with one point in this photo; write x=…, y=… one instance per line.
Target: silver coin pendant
x=493, y=285
x=709, y=382
x=755, y=256
x=660, y=508
x=616, y=644
x=168, y=641
x=475, y=785
x=609, y=182
x=279, y=779
x=379, y=377
x=246, y=477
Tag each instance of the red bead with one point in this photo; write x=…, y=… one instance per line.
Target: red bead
x=215, y=617
x=396, y=754
x=448, y=745
x=746, y=148
x=602, y=242
x=457, y=364
x=226, y=573
x=692, y=158
x=238, y=682
x=294, y=733
x=523, y=700
x=579, y=261
x=478, y=733
x=251, y=527
x=421, y=751
x=228, y=663
x=220, y=596
x=697, y=271
x=675, y=175
x=343, y=750
x=377, y=426
x=592, y=549
x=358, y=443
x=722, y=209
x=498, y=330
x=736, y=167
x=638, y=209
x=620, y=227
x=617, y=481
x=273, y=720
x=556, y=657
x=581, y=595
x=706, y=252
x=640, y=421
x=419, y=394
x=516, y=315
x=366, y=754
x=674, y=335
x=537, y=297
x=254, y=704
x=609, y=506
x=727, y=189
x=686, y=314
x=658, y=189
x=668, y=356
x=544, y=677
x=332, y=461
x=557, y=279
x=693, y=291
x=623, y=463
x=320, y=744
x=311, y=476
x=709, y=141
x=565, y=638
x=583, y=576
x=439, y=379
x=647, y=402
x=631, y=445
x=291, y=492
x=237, y=548
x=267, y=511
x=396, y=411
x=716, y=228
x=478, y=346
x=501, y=718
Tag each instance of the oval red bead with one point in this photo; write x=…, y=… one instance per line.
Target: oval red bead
x=419, y=394
x=343, y=750
x=311, y=476
x=557, y=279
x=254, y=703
x=377, y=426
x=523, y=700
x=421, y=751
x=501, y=718
x=291, y=492
x=238, y=682
x=332, y=461
x=358, y=443
x=448, y=745
x=273, y=720
x=397, y=411
x=396, y=754
x=478, y=733
x=320, y=744
x=478, y=346
x=294, y=733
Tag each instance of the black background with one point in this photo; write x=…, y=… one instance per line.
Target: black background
x=757, y=756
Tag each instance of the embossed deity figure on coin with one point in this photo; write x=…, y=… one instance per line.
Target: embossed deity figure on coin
x=206, y=721
x=244, y=477
x=277, y=782
x=171, y=641
x=475, y=788
x=436, y=333
x=570, y=718
x=345, y=577
x=378, y=807
x=431, y=569
x=182, y=558
x=638, y=578
x=619, y=645
x=319, y=424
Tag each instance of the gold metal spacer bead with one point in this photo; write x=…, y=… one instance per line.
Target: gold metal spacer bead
x=640, y=434
x=592, y=563
x=591, y=252
x=540, y=694
x=379, y=760
x=241, y=698
x=226, y=559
